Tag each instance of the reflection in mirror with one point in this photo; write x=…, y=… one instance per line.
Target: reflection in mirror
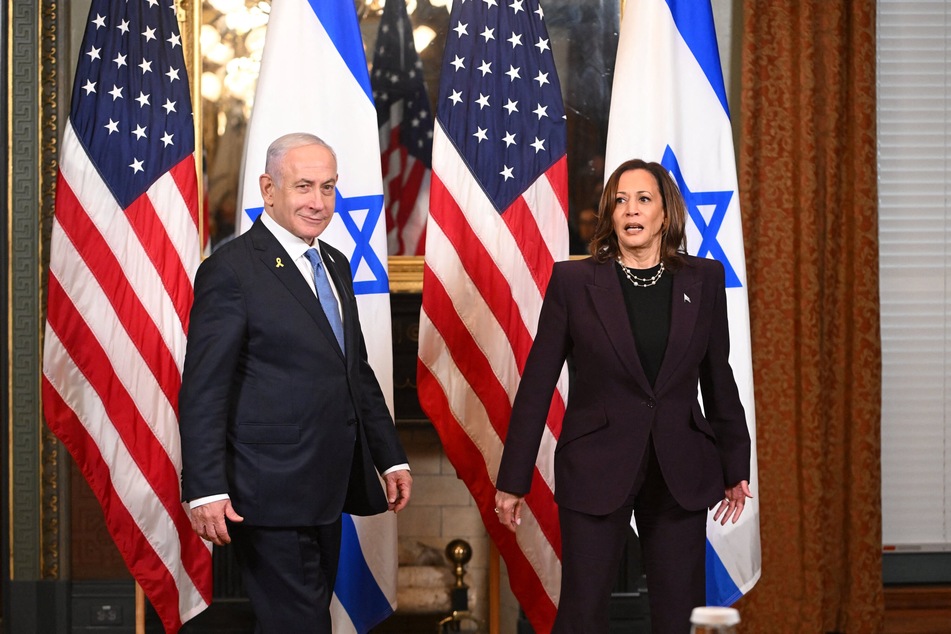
x=231, y=40
x=584, y=40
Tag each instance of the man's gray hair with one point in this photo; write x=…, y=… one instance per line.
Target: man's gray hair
x=282, y=145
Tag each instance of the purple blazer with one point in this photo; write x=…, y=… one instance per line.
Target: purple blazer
x=612, y=409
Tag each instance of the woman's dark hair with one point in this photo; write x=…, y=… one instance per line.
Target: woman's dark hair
x=604, y=244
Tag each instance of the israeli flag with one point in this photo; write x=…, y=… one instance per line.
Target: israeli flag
x=314, y=79
x=669, y=105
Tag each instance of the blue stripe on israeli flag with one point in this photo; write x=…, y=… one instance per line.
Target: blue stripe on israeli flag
x=694, y=20
x=721, y=589
x=344, y=31
x=356, y=588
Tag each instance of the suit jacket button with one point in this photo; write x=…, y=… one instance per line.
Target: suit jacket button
x=352, y=421
x=650, y=403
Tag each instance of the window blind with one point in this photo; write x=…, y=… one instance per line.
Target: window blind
x=914, y=148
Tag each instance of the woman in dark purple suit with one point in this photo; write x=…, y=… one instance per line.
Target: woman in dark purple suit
x=642, y=324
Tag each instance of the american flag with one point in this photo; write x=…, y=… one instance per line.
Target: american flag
x=125, y=248
x=498, y=222
x=406, y=131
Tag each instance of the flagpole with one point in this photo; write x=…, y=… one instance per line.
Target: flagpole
x=197, y=116
x=494, y=588
x=139, y=609
x=189, y=21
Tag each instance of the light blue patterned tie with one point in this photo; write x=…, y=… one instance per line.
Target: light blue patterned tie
x=326, y=296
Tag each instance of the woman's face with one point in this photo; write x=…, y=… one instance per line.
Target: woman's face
x=639, y=217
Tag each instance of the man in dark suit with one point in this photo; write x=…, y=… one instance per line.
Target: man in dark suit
x=283, y=423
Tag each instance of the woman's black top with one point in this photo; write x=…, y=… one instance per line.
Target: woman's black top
x=648, y=309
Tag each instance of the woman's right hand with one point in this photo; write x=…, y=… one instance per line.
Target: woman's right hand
x=508, y=507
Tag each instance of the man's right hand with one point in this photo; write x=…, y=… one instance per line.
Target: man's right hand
x=208, y=520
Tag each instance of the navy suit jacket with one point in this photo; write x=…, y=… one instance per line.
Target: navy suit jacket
x=612, y=409
x=270, y=410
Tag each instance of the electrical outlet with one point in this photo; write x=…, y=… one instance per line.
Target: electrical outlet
x=106, y=615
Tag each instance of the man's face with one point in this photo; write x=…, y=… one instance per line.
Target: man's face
x=301, y=196
x=587, y=224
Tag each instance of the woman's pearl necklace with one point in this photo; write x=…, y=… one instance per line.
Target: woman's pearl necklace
x=640, y=281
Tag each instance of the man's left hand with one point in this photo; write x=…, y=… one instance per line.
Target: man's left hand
x=398, y=487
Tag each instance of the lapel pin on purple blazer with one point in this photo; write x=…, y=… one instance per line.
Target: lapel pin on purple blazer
x=686, y=299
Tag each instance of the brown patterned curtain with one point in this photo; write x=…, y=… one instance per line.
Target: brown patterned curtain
x=809, y=200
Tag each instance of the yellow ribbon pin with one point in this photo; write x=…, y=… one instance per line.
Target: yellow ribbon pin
x=277, y=263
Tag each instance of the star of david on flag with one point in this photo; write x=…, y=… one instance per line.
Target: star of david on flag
x=669, y=105
x=720, y=201
x=373, y=277
x=364, y=259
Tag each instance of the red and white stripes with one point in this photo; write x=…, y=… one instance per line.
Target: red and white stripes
x=484, y=281
x=120, y=288
x=406, y=185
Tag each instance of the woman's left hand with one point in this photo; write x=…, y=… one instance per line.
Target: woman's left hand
x=509, y=509
x=733, y=503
